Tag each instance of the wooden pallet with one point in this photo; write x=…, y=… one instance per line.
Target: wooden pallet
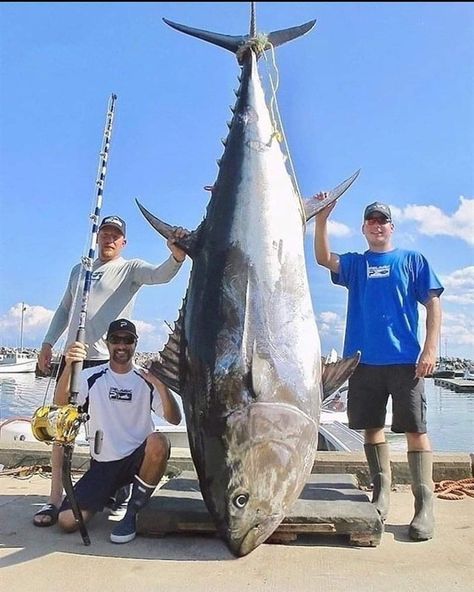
x=328, y=505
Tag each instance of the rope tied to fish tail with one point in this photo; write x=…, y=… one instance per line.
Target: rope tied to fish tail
x=277, y=124
x=257, y=44
x=455, y=490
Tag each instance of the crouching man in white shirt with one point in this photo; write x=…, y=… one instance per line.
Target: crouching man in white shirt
x=119, y=398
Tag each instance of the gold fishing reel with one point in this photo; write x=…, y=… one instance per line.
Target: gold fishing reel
x=59, y=424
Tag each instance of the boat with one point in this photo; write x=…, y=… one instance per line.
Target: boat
x=16, y=429
x=17, y=361
x=443, y=370
x=334, y=431
x=334, y=409
x=468, y=373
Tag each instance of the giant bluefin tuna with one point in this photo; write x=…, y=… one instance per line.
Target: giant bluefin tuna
x=245, y=352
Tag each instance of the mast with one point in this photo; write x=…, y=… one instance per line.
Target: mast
x=23, y=308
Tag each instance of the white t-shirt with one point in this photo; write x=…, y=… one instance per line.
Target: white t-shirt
x=120, y=407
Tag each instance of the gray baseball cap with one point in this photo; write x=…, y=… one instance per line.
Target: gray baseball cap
x=114, y=221
x=378, y=208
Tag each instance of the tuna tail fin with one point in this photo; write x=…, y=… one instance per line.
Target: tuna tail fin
x=237, y=43
x=335, y=374
x=312, y=205
x=188, y=243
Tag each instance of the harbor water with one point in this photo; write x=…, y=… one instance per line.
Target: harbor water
x=450, y=414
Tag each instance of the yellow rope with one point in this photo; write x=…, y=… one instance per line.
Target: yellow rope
x=278, y=131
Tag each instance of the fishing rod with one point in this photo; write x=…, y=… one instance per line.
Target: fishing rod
x=76, y=367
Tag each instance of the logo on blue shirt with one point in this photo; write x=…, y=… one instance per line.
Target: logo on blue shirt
x=378, y=271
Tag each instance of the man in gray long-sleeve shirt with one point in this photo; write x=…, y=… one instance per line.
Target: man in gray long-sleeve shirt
x=115, y=283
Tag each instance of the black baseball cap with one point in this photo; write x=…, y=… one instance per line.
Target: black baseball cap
x=378, y=208
x=114, y=221
x=122, y=325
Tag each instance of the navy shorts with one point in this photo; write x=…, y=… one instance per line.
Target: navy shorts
x=101, y=481
x=369, y=390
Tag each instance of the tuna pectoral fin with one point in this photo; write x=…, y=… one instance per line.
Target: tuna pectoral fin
x=188, y=243
x=265, y=381
x=262, y=373
x=335, y=374
x=166, y=366
x=312, y=205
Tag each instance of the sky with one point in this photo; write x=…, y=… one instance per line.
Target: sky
x=387, y=88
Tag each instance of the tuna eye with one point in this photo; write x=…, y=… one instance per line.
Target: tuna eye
x=241, y=500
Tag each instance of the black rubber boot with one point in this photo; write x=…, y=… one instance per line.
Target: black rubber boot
x=378, y=457
x=421, y=469
x=125, y=530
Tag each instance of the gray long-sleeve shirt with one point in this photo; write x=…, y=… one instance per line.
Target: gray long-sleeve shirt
x=113, y=289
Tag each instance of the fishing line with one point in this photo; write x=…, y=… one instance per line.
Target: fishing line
x=277, y=123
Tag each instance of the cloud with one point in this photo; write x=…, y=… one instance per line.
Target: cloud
x=457, y=334
x=338, y=229
x=36, y=320
x=459, y=286
x=330, y=324
x=432, y=221
x=151, y=337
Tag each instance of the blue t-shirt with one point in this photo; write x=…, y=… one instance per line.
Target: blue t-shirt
x=382, y=310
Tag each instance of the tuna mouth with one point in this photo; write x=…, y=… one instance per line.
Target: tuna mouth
x=257, y=535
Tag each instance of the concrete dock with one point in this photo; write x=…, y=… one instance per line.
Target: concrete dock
x=459, y=385
x=47, y=560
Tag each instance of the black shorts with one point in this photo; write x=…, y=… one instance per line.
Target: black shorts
x=85, y=364
x=369, y=389
x=102, y=480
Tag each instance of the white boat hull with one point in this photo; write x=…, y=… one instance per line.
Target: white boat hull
x=16, y=429
x=16, y=362
x=18, y=367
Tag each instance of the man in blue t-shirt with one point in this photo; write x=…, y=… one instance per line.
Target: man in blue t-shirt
x=385, y=285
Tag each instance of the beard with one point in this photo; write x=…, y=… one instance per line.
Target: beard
x=122, y=356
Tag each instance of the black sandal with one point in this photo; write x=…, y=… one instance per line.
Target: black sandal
x=47, y=510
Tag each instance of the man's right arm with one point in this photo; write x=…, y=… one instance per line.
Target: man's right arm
x=57, y=326
x=322, y=250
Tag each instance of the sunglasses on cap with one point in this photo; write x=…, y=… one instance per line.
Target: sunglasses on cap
x=126, y=339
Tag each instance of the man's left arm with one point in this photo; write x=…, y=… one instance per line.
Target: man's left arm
x=171, y=410
x=145, y=273
x=427, y=360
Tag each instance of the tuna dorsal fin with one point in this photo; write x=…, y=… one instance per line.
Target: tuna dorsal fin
x=236, y=43
x=166, y=365
x=188, y=243
x=335, y=374
x=312, y=205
